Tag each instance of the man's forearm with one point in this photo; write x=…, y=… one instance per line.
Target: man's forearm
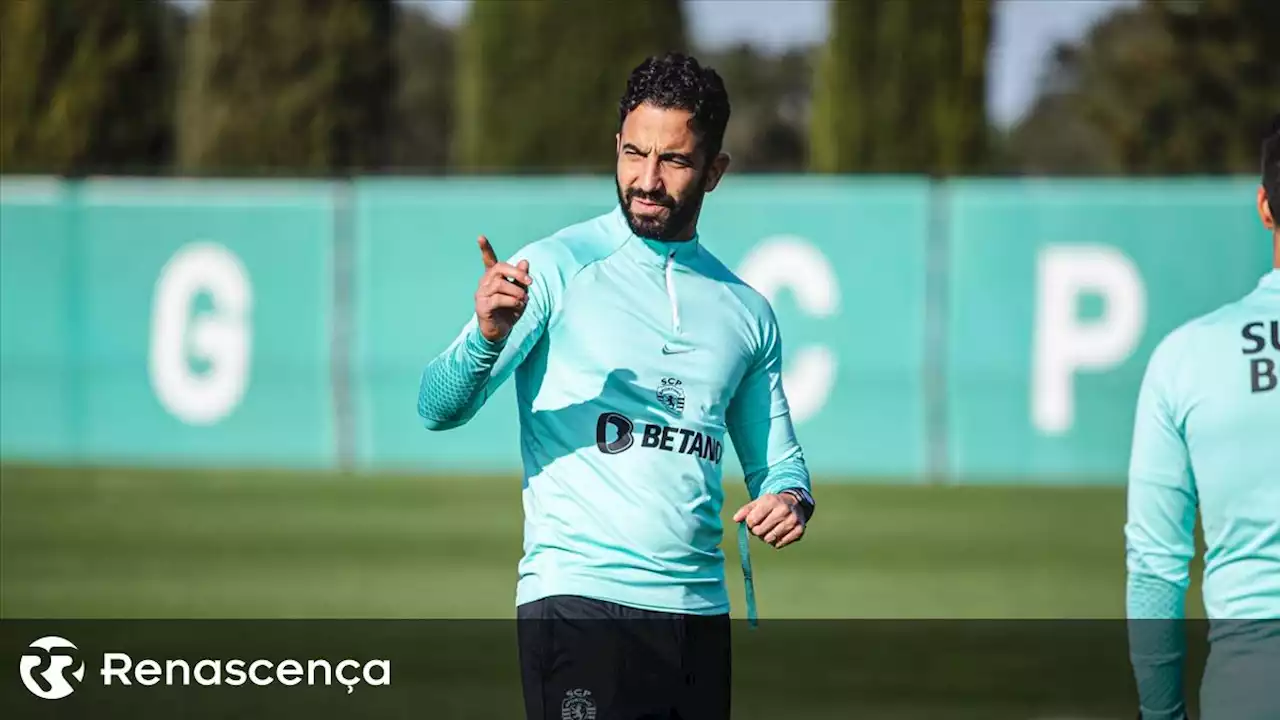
x=788, y=474
x=453, y=384
x=1157, y=645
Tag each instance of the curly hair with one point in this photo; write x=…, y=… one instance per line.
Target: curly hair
x=679, y=82
x=1271, y=166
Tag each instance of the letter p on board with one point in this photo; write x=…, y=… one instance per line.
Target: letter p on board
x=1065, y=343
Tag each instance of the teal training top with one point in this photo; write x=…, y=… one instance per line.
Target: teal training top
x=1207, y=437
x=634, y=361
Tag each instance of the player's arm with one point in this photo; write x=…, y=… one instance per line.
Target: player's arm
x=511, y=310
x=759, y=424
x=1159, y=541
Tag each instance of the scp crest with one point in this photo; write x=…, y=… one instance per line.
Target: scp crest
x=671, y=395
x=578, y=705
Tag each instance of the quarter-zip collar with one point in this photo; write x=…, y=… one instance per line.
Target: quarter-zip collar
x=662, y=256
x=657, y=253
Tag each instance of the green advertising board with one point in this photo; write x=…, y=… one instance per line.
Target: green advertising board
x=969, y=330
x=1058, y=293
x=38, y=406
x=168, y=322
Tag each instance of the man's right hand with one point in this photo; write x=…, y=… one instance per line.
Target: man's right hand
x=501, y=297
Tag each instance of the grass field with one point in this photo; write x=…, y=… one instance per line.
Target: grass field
x=158, y=544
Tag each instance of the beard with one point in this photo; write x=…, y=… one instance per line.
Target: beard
x=667, y=226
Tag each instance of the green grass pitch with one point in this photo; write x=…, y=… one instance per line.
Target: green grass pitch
x=82, y=543
x=157, y=544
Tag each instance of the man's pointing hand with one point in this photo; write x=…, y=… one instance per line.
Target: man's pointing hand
x=502, y=295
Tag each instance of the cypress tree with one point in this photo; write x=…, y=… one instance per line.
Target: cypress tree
x=539, y=82
x=86, y=86
x=288, y=86
x=901, y=87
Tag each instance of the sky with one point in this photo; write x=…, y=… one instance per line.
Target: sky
x=1024, y=33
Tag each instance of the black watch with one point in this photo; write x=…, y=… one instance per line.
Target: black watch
x=806, y=501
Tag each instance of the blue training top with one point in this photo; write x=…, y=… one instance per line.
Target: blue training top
x=633, y=361
x=1207, y=437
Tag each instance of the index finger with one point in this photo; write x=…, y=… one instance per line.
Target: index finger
x=486, y=253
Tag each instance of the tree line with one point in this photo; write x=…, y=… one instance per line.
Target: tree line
x=335, y=87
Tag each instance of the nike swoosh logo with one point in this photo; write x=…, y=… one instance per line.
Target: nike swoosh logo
x=668, y=350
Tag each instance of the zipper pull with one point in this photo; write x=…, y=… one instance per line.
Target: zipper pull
x=671, y=292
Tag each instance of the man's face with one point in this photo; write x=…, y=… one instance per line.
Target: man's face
x=661, y=174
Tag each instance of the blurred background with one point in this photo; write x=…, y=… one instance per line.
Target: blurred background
x=232, y=234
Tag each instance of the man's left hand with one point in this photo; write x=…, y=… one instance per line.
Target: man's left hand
x=776, y=518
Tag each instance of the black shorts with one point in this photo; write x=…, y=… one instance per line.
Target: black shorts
x=584, y=659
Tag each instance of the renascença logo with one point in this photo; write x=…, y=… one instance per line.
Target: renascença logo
x=45, y=671
x=44, y=668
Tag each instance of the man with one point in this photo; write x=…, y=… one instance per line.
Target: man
x=1207, y=437
x=635, y=354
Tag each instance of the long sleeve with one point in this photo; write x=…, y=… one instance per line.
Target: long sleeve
x=1160, y=543
x=457, y=382
x=759, y=423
